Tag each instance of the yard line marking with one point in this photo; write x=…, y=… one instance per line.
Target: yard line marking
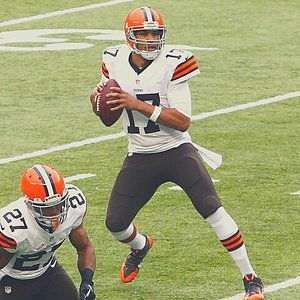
x=62, y=147
x=245, y=106
x=122, y=134
x=62, y=12
x=79, y=177
x=272, y=288
x=296, y=193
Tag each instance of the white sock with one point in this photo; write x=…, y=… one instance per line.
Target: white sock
x=131, y=237
x=231, y=238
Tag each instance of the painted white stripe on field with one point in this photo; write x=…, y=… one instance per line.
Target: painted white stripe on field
x=122, y=134
x=62, y=147
x=272, y=288
x=79, y=177
x=245, y=106
x=296, y=193
x=62, y=12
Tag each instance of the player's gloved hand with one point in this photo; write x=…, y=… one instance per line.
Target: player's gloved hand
x=86, y=290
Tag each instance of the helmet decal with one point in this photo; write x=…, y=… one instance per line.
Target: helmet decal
x=46, y=179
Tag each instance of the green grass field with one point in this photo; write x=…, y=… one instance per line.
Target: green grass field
x=44, y=98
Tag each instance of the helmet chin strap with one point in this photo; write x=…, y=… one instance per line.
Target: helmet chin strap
x=147, y=55
x=48, y=229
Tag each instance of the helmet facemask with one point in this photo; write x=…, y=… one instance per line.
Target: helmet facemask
x=49, y=212
x=147, y=48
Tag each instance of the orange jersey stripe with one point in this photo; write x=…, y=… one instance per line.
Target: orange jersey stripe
x=6, y=242
x=105, y=71
x=185, y=68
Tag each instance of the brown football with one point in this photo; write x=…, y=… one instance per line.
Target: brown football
x=107, y=116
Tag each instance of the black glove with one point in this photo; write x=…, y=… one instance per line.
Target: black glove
x=86, y=290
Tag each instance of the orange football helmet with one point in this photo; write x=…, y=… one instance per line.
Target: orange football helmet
x=46, y=196
x=145, y=19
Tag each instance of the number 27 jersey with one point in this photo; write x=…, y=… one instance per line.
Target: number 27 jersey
x=153, y=85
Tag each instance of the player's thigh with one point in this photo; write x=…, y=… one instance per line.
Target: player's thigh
x=11, y=289
x=134, y=186
x=59, y=286
x=191, y=174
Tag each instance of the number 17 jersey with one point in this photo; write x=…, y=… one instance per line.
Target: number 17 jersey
x=154, y=85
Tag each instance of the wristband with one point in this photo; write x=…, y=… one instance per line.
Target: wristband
x=155, y=114
x=87, y=275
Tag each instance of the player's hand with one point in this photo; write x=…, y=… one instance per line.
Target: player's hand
x=94, y=95
x=86, y=291
x=119, y=99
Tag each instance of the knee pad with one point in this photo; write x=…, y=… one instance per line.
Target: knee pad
x=115, y=223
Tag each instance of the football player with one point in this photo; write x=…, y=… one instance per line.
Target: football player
x=32, y=228
x=155, y=95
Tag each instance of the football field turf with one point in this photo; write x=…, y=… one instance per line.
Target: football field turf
x=246, y=106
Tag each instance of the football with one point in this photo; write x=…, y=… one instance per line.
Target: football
x=107, y=116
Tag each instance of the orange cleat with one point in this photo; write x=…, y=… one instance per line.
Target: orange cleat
x=131, y=266
x=254, y=287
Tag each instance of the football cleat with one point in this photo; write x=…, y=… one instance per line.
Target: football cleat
x=131, y=266
x=254, y=287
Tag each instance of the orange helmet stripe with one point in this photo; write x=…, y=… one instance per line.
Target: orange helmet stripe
x=47, y=180
x=148, y=13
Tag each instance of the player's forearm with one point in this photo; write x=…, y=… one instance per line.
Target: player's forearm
x=169, y=117
x=87, y=259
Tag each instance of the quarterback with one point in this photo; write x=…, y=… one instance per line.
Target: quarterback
x=156, y=100
x=32, y=228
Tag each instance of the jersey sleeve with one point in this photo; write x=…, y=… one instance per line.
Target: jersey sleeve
x=7, y=242
x=179, y=97
x=77, y=206
x=7, y=239
x=109, y=56
x=185, y=65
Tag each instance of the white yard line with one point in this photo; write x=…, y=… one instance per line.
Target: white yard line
x=122, y=134
x=272, y=288
x=245, y=106
x=61, y=148
x=62, y=12
x=296, y=193
x=79, y=177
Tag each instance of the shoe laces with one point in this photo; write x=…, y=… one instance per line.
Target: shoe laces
x=135, y=257
x=253, y=285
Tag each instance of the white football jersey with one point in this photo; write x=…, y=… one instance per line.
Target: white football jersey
x=32, y=246
x=152, y=84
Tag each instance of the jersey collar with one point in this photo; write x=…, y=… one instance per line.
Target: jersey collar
x=135, y=67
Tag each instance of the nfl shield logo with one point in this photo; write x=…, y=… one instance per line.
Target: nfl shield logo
x=7, y=289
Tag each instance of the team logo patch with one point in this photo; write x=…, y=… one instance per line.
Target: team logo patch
x=7, y=289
